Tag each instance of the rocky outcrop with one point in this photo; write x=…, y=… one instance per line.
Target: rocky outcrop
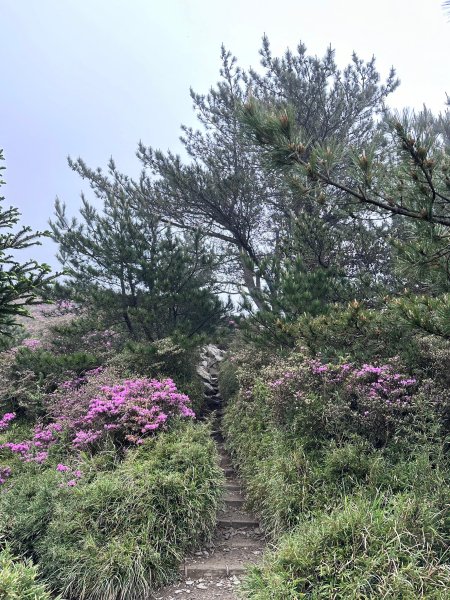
x=208, y=370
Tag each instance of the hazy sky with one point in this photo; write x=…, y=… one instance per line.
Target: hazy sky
x=92, y=77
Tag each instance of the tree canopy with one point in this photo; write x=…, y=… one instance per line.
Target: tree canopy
x=132, y=268
x=245, y=208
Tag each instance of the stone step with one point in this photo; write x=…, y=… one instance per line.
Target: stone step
x=232, y=486
x=237, y=520
x=229, y=472
x=234, y=500
x=241, y=541
x=212, y=404
x=225, y=461
x=211, y=568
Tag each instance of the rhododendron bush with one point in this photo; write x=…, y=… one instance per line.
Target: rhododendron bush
x=130, y=411
x=323, y=400
x=92, y=413
x=347, y=454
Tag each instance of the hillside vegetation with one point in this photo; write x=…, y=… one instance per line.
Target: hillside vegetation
x=306, y=233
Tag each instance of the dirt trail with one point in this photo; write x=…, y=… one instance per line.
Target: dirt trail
x=215, y=572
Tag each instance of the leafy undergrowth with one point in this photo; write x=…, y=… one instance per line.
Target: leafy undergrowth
x=123, y=529
x=346, y=465
x=19, y=579
x=106, y=478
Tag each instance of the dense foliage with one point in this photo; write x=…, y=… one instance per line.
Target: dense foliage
x=340, y=455
x=18, y=579
x=124, y=527
x=107, y=479
x=364, y=549
x=128, y=266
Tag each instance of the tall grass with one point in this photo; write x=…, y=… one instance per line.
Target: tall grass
x=121, y=532
x=366, y=548
x=347, y=520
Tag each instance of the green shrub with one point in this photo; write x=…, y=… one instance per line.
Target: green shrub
x=87, y=332
x=17, y=392
x=320, y=401
x=122, y=531
x=18, y=579
x=357, y=333
x=303, y=463
x=228, y=381
x=166, y=357
x=176, y=358
x=296, y=468
x=276, y=472
x=45, y=363
x=363, y=549
x=27, y=375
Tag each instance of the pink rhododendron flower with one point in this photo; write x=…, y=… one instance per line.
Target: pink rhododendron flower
x=124, y=413
x=31, y=343
x=6, y=420
x=129, y=410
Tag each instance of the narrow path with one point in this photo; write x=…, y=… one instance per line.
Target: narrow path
x=215, y=572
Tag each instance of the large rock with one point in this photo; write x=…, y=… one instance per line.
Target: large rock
x=214, y=352
x=209, y=389
x=204, y=373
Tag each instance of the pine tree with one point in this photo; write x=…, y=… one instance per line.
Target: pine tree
x=225, y=190
x=21, y=283
x=402, y=173
x=247, y=210
x=133, y=269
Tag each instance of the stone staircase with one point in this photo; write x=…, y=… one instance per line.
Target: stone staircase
x=215, y=572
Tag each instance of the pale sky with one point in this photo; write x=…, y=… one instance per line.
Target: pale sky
x=91, y=78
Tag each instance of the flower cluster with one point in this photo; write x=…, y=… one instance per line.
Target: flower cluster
x=31, y=343
x=130, y=411
x=36, y=450
x=334, y=399
x=71, y=400
x=72, y=474
x=6, y=420
x=126, y=413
